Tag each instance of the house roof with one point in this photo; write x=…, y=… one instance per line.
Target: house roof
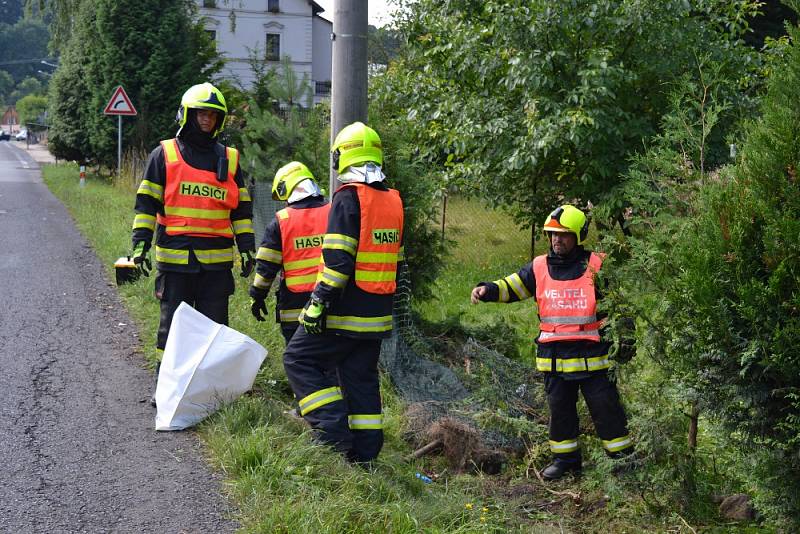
x=316, y=8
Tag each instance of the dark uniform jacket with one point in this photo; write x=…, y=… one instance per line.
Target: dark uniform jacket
x=560, y=268
x=345, y=218
x=149, y=203
x=287, y=300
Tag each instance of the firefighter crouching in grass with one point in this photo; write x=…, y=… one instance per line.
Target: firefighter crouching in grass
x=193, y=197
x=350, y=309
x=570, y=349
x=292, y=244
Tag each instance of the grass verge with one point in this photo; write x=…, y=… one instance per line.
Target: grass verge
x=281, y=482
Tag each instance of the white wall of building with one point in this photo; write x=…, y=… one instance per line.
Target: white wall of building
x=322, y=59
x=241, y=28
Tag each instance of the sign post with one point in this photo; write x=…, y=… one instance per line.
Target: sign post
x=119, y=105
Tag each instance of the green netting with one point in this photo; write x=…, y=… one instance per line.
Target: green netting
x=492, y=397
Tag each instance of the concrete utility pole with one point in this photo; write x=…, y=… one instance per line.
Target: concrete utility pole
x=349, y=84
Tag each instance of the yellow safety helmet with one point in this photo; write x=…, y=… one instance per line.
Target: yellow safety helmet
x=568, y=218
x=287, y=178
x=356, y=143
x=203, y=96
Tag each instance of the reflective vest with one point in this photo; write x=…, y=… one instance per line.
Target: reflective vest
x=302, y=233
x=379, y=241
x=567, y=308
x=195, y=202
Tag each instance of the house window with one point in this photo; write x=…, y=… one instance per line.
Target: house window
x=212, y=36
x=322, y=88
x=273, y=6
x=273, y=49
x=209, y=3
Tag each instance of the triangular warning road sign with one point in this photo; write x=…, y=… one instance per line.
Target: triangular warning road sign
x=120, y=104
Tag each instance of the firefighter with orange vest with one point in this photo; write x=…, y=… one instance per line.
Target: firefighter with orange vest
x=350, y=310
x=292, y=245
x=572, y=351
x=193, y=198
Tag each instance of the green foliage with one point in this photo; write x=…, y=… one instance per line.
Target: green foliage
x=263, y=75
x=67, y=109
x=24, y=43
x=154, y=51
x=6, y=85
x=28, y=86
x=10, y=11
x=30, y=108
x=712, y=272
x=383, y=45
x=271, y=140
x=526, y=103
x=421, y=239
x=287, y=89
x=62, y=15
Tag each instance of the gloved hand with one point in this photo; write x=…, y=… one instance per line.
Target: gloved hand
x=313, y=316
x=141, y=257
x=248, y=263
x=626, y=350
x=257, y=307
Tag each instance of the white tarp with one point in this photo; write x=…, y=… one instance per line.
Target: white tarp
x=205, y=364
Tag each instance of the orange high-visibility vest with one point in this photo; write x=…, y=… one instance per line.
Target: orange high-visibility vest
x=302, y=233
x=567, y=308
x=380, y=238
x=195, y=202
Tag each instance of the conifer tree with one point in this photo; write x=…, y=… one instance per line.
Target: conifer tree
x=154, y=49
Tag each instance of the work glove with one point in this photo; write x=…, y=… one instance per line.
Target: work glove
x=626, y=350
x=313, y=316
x=257, y=307
x=248, y=263
x=141, y=257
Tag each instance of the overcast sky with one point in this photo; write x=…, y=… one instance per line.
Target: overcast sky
x=379, y=11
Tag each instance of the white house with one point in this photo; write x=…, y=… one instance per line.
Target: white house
x=278, y=28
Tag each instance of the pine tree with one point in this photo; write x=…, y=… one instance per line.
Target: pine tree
x=153, y=49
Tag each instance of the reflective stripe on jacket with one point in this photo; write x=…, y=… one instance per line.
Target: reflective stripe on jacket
x=379, y=241
x=567, y=308
x=195, y=202
x=302, y=233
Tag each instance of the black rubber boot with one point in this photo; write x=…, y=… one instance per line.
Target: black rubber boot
x=559, y=468
x=155, y=385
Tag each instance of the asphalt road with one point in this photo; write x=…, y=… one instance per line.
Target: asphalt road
x=78, y=452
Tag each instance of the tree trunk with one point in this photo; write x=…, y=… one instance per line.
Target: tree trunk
x=693, y=427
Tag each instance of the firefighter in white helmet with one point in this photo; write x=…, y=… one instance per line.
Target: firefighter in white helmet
x=572, y=350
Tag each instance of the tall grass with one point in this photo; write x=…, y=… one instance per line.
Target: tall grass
x=483, y=245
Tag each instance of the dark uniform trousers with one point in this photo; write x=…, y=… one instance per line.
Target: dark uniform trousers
x=604, y=405
x=312, y=363
x=288, y=331
x=206, y=291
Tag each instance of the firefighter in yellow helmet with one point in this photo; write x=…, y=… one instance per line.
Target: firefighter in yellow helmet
x=572, y=349
x=193, y=198
x=350, y=310
x=291, y=246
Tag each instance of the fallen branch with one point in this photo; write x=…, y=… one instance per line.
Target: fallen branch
x=574, y=496
x=427, y=449
x=687, y=524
